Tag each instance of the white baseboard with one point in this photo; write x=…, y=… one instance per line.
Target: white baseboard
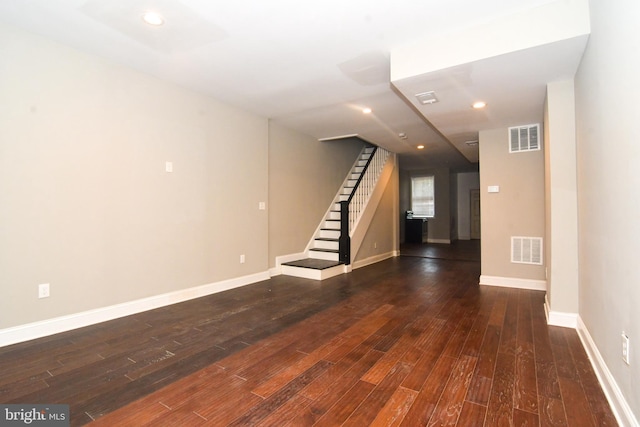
x=514, y=282
x=558, y=318
x=374, y=259
x=56, y=325
x=277, y=270
x=446, y=241
x=623, y=413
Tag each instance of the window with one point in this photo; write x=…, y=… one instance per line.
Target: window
x=423, y=196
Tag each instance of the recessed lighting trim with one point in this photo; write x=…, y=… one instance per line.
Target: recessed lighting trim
x=479, y=104
x=420, y=147
x=366, y=110
x=153, y=18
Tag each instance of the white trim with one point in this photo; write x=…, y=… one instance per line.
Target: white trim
x=514, y=282
x=56, y=325
x=559, y=318
x=277, y=270
x=374, y=259
x=623, y=413
x=446, y=241
x=312, y=273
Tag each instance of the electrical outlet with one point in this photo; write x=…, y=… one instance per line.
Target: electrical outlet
x=625, y=348
x=43, y=290
x=242, y=259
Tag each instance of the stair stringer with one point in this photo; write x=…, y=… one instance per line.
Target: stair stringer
x=362, y=225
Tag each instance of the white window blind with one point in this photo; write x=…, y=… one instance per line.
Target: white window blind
x=423, y=196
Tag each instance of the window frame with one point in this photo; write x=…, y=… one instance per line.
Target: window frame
x=433, y=196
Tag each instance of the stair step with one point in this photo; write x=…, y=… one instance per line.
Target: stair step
x=316, y=264
x=325, y=243
x=326, y=254
x=313, y=268
x=329, y=233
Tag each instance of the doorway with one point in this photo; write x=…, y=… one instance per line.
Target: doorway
x=474, y=202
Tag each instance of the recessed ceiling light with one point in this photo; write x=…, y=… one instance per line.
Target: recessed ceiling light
x=478, y=105
x=420, y=147
x=153, y=18
x=366, y=110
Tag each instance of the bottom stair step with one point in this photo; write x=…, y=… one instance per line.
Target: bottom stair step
x=313, y=268
x=316, y=264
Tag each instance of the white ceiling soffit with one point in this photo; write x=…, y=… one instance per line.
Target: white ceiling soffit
x=506, y=63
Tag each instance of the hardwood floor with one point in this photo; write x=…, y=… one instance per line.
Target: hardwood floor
x=408, y=341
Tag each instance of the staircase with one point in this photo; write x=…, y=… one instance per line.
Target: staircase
x=324, y=258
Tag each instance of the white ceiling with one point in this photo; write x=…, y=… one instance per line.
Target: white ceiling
x=313, y=66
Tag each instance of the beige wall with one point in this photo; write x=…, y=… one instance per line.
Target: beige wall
x=440, y=226
x=86, y=204
x=607, y=114
x=517, y=210
x=561, y=216
x=304, y=177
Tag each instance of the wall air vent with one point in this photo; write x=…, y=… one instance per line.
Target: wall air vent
x=524, y=138
x=526, y=250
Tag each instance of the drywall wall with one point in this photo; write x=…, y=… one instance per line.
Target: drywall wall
x=608, y=155
x=440, y=225
x=382, y=238
x=516, y=210
x=467, y=181
x=304, y=177
x=86, y=202
x=561, y=206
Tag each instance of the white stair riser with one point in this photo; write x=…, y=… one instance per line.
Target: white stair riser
x=332, y=225
x=329, y=256
x=362, y=163
x=352, y=182
x=365, y=156
x=358, y=169
x=343, y=197
x=330, y=234
x=324, y=244
x=354, y=177
x=334, y=215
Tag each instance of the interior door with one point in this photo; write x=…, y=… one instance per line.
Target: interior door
x=475, y=213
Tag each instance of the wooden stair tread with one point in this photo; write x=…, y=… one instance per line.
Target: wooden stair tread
x=333, y=251
x=316, y=264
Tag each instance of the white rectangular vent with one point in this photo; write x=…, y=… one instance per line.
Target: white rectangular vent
x=526, y=250
x=524, y=138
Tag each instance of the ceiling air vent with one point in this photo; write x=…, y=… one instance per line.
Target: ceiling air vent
x=426, y=98
x=524, y=138
x=526, y=250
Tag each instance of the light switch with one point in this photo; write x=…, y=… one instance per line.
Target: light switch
x=262, y=206
x=168, y=166
x=493, y=189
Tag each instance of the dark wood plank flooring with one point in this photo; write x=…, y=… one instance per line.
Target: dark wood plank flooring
x=408, y=341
